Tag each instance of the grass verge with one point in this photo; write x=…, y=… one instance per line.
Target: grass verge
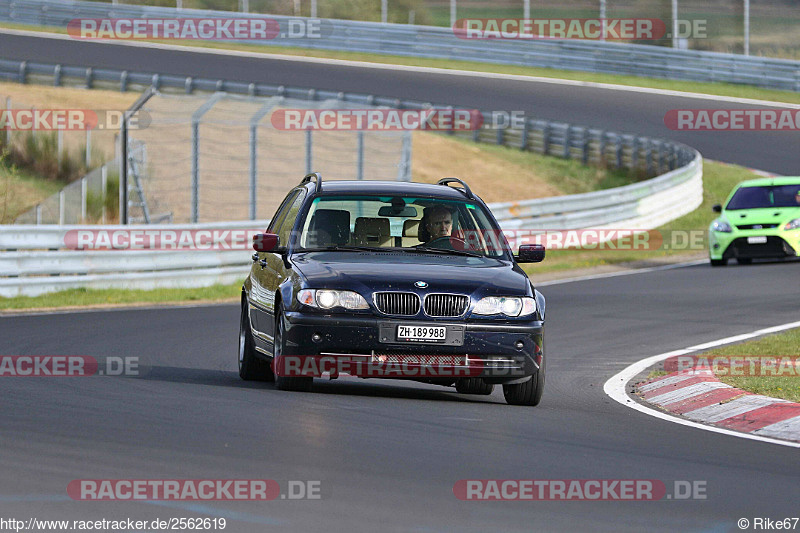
x=720, y=89
x=87, y=298
x=786, y=386
x=20, y=191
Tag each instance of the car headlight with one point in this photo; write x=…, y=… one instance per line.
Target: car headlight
x=722, y=226
x=328, y=299
x=509, y=306
x=792, y=224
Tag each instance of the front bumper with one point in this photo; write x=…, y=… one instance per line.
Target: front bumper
x=779, y=243
x=497, y=351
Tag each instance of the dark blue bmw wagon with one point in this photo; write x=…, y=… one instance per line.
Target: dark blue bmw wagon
x=398, y=280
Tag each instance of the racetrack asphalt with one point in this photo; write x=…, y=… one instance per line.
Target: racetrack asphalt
x=388, y=453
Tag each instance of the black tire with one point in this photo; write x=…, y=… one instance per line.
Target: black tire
x=250, y=367
x=474, y=386
x=744, y=260
x=528, y=393
x=718, y=262
x=290, y=383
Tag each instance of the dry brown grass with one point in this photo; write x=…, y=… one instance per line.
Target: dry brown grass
x=493, y=178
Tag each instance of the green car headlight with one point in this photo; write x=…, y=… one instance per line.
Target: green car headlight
x=721, y=226
x=792, y=224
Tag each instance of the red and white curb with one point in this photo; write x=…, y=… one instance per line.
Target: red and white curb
x=618, y=388
x=698, y=395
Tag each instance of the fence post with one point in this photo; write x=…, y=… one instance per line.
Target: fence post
x=309, y=151
x=88, y=147
x=83, y=199
x=404, y=172
x=123, y=171
x=103, y=193
x=38, y=214
x=60, y=141
x=196, y=116
x=566, y=154
x=360, y=160
x=619, y=148
x=62, y=204
x=8, y=130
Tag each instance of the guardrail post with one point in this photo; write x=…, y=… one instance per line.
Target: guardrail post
x=523, y=143
x=546, y=139
x=38, y=214
x=602, y=149
x=619, y=152
x=89, y=78
x=188, y=85
x=649, y=157
x=585, y=146
x=23, y=72
x=500, y=136
x=566, y=154
x=635, y=153
x=309, y=152
x=57, y=76
x=123, y=81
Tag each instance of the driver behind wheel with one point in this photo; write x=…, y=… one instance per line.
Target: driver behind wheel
x=436, y=225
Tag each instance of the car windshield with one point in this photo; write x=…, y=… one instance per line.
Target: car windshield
x=765, y=196
x=415, y=225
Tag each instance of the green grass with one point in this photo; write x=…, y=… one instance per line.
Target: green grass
x=718, y=180
x=787, y=386
x=92, y=297
x=21, y=190
x=720, y=89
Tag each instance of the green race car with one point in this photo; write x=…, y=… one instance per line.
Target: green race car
x=761, y=219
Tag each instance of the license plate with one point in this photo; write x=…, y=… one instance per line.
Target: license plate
x=410, y=333
x=757, y=240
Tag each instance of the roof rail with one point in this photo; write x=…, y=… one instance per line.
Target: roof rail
x=467, y=192
x=317, y=177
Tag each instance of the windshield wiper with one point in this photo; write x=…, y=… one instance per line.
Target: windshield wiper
x=443, y=251
x=340, y=248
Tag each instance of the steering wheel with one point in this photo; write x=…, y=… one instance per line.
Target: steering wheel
x=448, y=241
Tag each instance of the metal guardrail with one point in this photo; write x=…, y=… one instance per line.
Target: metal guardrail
x=436, y=42
x=39, y=263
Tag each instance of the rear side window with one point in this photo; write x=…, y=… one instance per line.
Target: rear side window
x=280, y=214
x=284, y=230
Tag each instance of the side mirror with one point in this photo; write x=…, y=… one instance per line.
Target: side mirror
x=717, y=208
x=265, y=242
x=530, y=253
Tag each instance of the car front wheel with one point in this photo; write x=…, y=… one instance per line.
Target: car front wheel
x=291, y=383
x=250, y=367
x=528, y=393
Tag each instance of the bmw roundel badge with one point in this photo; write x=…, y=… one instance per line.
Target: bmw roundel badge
x=420, y=284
